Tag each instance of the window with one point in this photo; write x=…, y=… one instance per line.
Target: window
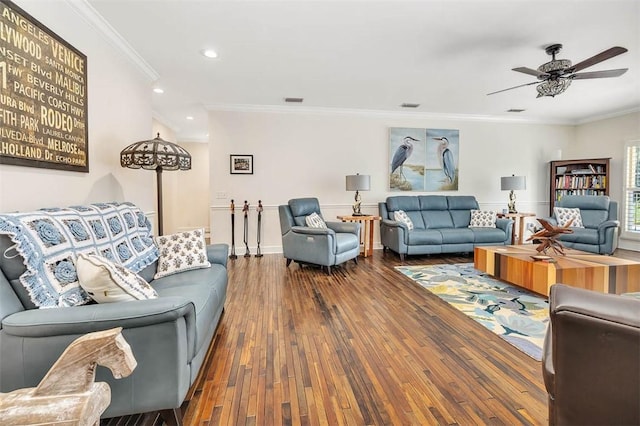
x=631, y=212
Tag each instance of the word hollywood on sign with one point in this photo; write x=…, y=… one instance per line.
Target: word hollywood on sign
x=43, y=95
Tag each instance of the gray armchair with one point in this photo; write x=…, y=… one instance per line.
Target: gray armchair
x=600, y=220
x=591, y=358
x=325, y=247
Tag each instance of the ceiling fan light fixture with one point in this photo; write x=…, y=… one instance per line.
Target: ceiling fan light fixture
x=555, y=65
x=553, y=87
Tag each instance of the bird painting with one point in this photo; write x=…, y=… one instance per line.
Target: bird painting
x=445, y=157
x=402, y=153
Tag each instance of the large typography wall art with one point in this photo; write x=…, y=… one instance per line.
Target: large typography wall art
x=43, y=95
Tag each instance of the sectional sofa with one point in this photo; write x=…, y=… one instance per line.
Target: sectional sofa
x=440, y=224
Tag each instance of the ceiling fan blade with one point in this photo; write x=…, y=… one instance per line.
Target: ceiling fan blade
x=514, y=87
x=599, y=74
x=530, y=71
x=602, y=56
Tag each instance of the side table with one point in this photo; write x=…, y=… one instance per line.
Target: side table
x=519, y=224
x=366, y=236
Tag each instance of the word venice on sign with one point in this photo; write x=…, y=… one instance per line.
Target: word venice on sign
x=43, y=95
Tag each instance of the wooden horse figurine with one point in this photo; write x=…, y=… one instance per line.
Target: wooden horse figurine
x=68, y=394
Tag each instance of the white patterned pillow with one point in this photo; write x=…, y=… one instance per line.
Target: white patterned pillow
x=482, y=219
x=401, y=216
x=181, y=252
x=315, y=221
x=107, y=282
x=564, y=215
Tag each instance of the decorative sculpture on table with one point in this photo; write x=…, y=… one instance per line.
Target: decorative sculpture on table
x=68, y=393
x=233, y=231
x=548, y=235
x=259, y=210
x=245, y=209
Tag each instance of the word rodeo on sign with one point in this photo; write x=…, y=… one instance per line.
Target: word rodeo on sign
x=43, y=95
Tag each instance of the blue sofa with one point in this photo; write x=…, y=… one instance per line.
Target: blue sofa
x=441, y=225
x=169, y=336
x=599, y=216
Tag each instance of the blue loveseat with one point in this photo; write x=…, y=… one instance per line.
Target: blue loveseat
x=169, y=336
x=441, y=225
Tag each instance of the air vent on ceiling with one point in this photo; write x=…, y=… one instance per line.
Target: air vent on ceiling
x=515, y=110
x=294, y=100
x=409, y=105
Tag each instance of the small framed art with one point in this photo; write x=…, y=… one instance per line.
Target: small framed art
x=241, y=164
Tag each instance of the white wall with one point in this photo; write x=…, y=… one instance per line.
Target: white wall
x=309, y=154
x=119, y=114
x=607, y=138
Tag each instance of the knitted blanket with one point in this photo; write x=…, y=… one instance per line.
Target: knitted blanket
x=50, y=239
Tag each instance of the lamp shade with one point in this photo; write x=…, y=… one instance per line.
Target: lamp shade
x=155, y=154
x=358, y=182
x=510, y=183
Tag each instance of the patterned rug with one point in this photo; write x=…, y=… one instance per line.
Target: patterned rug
x=515, y=314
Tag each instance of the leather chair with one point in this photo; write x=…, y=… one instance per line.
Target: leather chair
x=600, y=219
x=591, y=358
x=326, y=247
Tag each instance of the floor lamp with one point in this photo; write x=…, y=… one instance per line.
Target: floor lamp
x=156, y=154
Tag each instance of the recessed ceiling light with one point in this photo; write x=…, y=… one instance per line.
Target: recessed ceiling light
x=294, y=100
x=409, y=105
x=515, y=110
x=158, y=90
x=209, y=53
x=189, y=117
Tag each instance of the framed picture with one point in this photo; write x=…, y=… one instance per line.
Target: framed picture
x=424, y=160
x=43, y=96
x=241, y=164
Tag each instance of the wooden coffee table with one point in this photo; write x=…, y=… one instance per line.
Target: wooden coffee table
x=515, y=265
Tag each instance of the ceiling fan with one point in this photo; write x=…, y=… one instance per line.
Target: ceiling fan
x=555, y=76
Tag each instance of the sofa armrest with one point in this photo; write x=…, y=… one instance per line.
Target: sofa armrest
x=393, y=224
x=89, y=318
x=551, y=220
x=218, y=253
x=345, y=227
x=608, y=224
x=306, y=230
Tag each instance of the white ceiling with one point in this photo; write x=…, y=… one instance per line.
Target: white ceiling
x=375, y=55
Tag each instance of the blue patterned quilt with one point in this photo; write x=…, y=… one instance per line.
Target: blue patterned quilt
x=49, y=241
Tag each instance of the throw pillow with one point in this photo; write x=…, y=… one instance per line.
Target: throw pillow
x=482, y=219
x=401, y=216
x=181, y=252
x=315, y=221
x=564, y=215
x=107, y=282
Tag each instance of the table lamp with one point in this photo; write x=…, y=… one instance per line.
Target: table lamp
x=511, y=183
x=358, y=183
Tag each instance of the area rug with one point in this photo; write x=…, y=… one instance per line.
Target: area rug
x=515, y=314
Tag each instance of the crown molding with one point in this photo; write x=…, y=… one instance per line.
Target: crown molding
x=607, y=116
x=92, y=17
x=380, y=113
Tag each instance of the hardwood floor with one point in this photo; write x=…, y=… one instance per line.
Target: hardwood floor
x=362, y=346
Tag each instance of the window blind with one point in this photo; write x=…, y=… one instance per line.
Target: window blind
x=632, y=190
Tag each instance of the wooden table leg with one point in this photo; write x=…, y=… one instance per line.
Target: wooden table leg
x=369, y=251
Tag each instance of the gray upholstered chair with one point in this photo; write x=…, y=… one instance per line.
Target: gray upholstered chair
x=325, y=247
x=600, y=219
x=591, y=358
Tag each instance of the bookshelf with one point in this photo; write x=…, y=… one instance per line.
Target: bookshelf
x=578, y=177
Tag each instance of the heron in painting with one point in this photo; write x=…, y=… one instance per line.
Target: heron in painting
x=402, y=153
x=445, y=156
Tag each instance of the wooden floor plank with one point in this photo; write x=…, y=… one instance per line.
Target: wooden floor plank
x=364, y=345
